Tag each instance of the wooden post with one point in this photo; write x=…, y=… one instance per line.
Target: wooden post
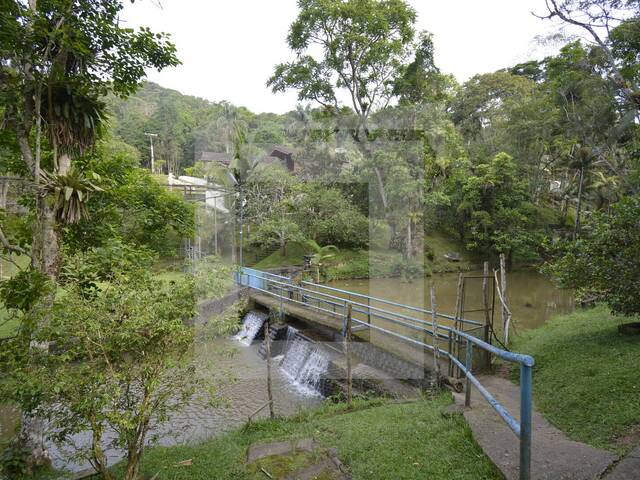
x=215, y=226
x=457, y=322
x=503, y=298
x=267, y=339
x=435, y=378
x=487, y=316
x=348, y=351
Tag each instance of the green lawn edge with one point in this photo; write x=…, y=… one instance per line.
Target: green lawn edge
x=585, y=380
x=389, y=441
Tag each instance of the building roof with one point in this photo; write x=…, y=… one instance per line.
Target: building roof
x=220, y=157
x=279, y=150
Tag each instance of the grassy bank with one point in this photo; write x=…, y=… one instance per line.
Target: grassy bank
x=394, y=441
x=353, y=263
x=586, y=377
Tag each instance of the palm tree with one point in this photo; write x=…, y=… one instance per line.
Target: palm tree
x=229, y=122
x=299, y=127
x=321, y=255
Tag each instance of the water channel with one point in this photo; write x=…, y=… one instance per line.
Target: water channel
x=243, y=376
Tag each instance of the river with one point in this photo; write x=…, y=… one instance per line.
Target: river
x=533, y=298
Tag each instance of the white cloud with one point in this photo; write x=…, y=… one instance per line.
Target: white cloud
x=228, y=48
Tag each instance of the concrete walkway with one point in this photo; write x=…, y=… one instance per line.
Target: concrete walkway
x=554, y=455
x=628, y=468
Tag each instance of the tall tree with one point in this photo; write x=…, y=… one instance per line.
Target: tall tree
x=58, y=59
x=363, y=44
x=598, y=18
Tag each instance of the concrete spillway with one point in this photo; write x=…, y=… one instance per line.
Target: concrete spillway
x=304, y=363
x=251, y=326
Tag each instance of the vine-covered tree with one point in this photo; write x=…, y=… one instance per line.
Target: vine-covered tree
x=58, y=60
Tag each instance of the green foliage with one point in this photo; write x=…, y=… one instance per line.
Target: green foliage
x=211, y=277
x=71, y=193
x=489, y=209
x=133, y=208
x=23, y=290
x=85, y=270
x=327, y=217
x=118, y=362
x=278, y=231
x=420, y=80
x=605, y=261
x=583, y=378
x=483, y=97
x=375, y=35
x=322, y=255
x=265, y=190
x=625, y=40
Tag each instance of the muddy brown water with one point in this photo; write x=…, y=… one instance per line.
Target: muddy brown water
x=533, y=298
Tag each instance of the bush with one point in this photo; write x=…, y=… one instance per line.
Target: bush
x=325, y=216
x=604, y=263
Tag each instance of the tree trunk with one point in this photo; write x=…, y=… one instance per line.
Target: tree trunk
x=283, y=247
x=409, y=242
x=46, y=247
x=576, y=229
x=4, y=190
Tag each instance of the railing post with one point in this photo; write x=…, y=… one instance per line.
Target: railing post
x=450, y=371
x=525, y=421
x=348, y=352
x=468, y=366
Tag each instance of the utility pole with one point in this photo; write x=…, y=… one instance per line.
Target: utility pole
x=151, y=135
x=241, y=221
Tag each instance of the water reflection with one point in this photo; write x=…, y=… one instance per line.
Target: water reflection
x=533, y=298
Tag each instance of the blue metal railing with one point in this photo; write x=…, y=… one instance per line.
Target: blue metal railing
x=287, y=291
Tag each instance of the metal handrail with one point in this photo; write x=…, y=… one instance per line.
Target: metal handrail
x=344, y=301
x=395, y=304
x=522, y=429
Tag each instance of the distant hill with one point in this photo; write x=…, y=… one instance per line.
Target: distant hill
x=187, y=125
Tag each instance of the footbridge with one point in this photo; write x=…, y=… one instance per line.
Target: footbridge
x=417, y=335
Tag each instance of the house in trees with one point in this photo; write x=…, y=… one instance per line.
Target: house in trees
x=216, y=157
x=285, y=154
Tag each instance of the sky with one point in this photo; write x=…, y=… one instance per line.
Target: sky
x=228, y=48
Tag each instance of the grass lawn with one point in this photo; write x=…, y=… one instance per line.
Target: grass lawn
x=440, y=244
x=394, y=441
x=586, y=377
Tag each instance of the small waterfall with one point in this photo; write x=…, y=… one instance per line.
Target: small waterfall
x=251, y=325
x=304, y=363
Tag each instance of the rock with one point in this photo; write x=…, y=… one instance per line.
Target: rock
x=632, y=328
x=452, y=256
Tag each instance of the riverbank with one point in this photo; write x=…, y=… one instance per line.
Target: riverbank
x=586, y=377
x=376, y=441
x=348, y=264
